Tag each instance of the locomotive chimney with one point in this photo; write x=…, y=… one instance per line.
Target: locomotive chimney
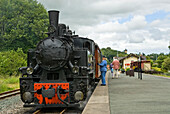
x=53, y=18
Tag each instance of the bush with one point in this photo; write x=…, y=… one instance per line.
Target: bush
x=155, y=65
x=160, y=60
x=167, y=73
x=10, y=61
x=166, y=64
x=156, y=69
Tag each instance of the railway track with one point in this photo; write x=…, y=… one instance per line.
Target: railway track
x=9, y=93
x=39, y=111
x=62, y=112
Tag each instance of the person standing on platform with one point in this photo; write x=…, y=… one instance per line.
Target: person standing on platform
x=116, y=66
x=103, y=69
x=111, y=68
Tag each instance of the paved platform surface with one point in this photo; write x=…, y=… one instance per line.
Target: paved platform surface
x=129, y=95
x=99, y=101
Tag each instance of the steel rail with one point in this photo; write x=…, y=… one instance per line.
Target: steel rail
x=9, y=93
x=63, y=111
x=37, y=111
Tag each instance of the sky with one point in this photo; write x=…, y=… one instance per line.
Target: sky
x=136, y=25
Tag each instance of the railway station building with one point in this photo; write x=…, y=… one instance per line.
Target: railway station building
x=126, y=61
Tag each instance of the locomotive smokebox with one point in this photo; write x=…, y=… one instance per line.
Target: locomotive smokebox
x=53, y=18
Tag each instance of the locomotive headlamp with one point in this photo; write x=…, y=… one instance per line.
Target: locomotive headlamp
x=27, y=97
x=75, y=69
x=30, y=70
x=78, y=96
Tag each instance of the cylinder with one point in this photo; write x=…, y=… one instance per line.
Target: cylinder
x=53, y=18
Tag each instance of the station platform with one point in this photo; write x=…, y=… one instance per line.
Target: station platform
x=99, y=101
x=130, y=95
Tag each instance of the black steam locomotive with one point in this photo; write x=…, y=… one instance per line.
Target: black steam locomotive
x=61, y=69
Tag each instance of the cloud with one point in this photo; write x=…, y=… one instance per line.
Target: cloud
x=132, y=24
x=138, y=22
x=151, y=46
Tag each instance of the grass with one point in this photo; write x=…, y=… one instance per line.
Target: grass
x=12, y=80
x=9, y=83
x=163, y=75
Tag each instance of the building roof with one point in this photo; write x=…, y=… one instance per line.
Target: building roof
x=143, y=57
x=130, y=55
x=142, y=61
x=120, y=58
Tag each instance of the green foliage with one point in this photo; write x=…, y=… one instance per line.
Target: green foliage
x=22, y=23
x=166, y=64
x=160, y=60
x=9, y=83
x=167, y=73
x=156, y=69
x=110, y=53
x=154, y=65
x=149, y=59
x=151, y=62
x=4, y=87
x=10, y=61
x=122, y=69
x=152, y=56
x=12, y=80
x=157, y=60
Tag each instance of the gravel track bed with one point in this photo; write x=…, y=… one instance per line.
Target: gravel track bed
x=12, y=105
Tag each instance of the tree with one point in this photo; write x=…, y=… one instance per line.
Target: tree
x=149, y=59
x=166, y=64
x=22, y=23
x=110, y=53
x=160, y=60
x=153, y=56
x=11, y=60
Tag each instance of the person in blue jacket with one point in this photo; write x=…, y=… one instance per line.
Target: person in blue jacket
x=103, y=69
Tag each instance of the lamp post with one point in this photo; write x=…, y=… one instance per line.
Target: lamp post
x=139, y=68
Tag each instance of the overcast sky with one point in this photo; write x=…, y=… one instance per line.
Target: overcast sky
x=137, y=25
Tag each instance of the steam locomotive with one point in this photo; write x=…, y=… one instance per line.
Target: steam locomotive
x=61, y=69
